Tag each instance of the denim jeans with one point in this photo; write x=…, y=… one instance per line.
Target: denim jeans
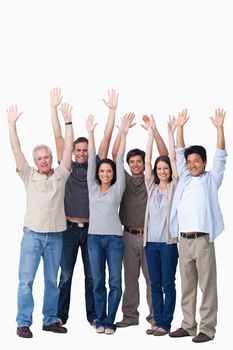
x=110, y=249
x=73, y=238
x=162, y=261
x=35, y=245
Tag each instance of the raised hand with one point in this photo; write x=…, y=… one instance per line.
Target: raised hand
x=182, y=118
x=126, y=122
x=149, y=123
x=66, y=111
x=171, y=124
x=13, y=114
x=130, y=117
x=218, y=120
x=55, y=97
x=90, y=125
x=112, y=101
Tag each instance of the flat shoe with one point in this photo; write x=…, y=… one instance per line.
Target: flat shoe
x=158, y=332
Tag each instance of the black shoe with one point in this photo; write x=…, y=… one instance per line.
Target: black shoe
x=201, y=338
x=55, y=328
x=24, y=332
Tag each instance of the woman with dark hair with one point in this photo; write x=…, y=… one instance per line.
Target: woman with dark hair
x=106, y=184
x=161, y=248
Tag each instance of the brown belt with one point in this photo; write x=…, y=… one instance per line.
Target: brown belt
x=133, y=231
x=190, y=235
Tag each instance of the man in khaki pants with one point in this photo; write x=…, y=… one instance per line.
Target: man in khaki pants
x=132, y=215
x=196, y=215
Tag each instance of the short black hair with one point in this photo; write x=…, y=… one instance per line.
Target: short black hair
x=135, y=152
x=106, y=161
x=200, y=150
x=165, y=159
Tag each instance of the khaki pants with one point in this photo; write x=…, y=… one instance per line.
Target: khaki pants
x=198, y=265
x=135, y=260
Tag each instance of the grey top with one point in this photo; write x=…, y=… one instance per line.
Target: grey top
x=104, y=215
x=157, y=207
x=134, y=200
x=76, y=191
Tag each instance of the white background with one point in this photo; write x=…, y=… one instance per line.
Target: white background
x=161, y=56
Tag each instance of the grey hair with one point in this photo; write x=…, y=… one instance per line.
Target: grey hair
x=42, y=146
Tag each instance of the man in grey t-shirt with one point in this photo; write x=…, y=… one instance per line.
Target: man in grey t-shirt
x=132, y=213
x=77, y=207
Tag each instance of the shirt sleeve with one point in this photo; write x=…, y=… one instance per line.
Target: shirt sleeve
x=25, y=174
x=120, y=176
x=91, y=169
x=219, y=166
x=181, y=162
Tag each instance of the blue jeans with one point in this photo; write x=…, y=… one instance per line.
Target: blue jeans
x=110, y=249
x=73, y=238
x=35, y=245
x=162, y=261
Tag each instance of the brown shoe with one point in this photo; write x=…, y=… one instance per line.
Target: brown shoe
x=54, y=327
x=160, y=331
x=151, y=331
x=180, y=332
x=126, y=323
x=201, y=338
x=24, y=332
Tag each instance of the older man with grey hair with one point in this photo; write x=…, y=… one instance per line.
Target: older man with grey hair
x=44, y=223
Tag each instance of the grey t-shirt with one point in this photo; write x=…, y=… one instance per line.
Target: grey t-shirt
x=133, y=204
x=76, y=191
x=104, y=207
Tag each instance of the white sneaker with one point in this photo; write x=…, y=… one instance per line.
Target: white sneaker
x=109, y=331
x=100, y=329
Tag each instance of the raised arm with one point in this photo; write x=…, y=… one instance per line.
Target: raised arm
x=171, y=126
x=162, y=149
x=55, y=100
x=218, y=122
x=13, y=115
x=124, y=128
x=111, y=103
x=117, y=141
x=66, y=111
x=90, y=126
x=150, y=125
x=180, y=122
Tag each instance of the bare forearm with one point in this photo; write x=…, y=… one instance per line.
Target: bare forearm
x=162, y=149
x=148, y=156
x=68, y=146
x=180, y=137
x=220, y=138
x=104, y=145
x=122, y=145
x=91, y=140
x=55, y=123
x=116, y=146
x=14, y=139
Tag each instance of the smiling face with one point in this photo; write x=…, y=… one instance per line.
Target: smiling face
x=136, y=166
x=81, y=152
x=105, y=173
x=43, y=161
x=195, y=164
x=163, y=171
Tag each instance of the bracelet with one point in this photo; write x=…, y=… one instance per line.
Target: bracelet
x=68, y=123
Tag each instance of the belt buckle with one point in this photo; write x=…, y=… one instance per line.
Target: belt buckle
x=140, y=232
x=80, y=224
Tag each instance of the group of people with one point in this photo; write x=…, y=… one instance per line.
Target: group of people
x=119, y=219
